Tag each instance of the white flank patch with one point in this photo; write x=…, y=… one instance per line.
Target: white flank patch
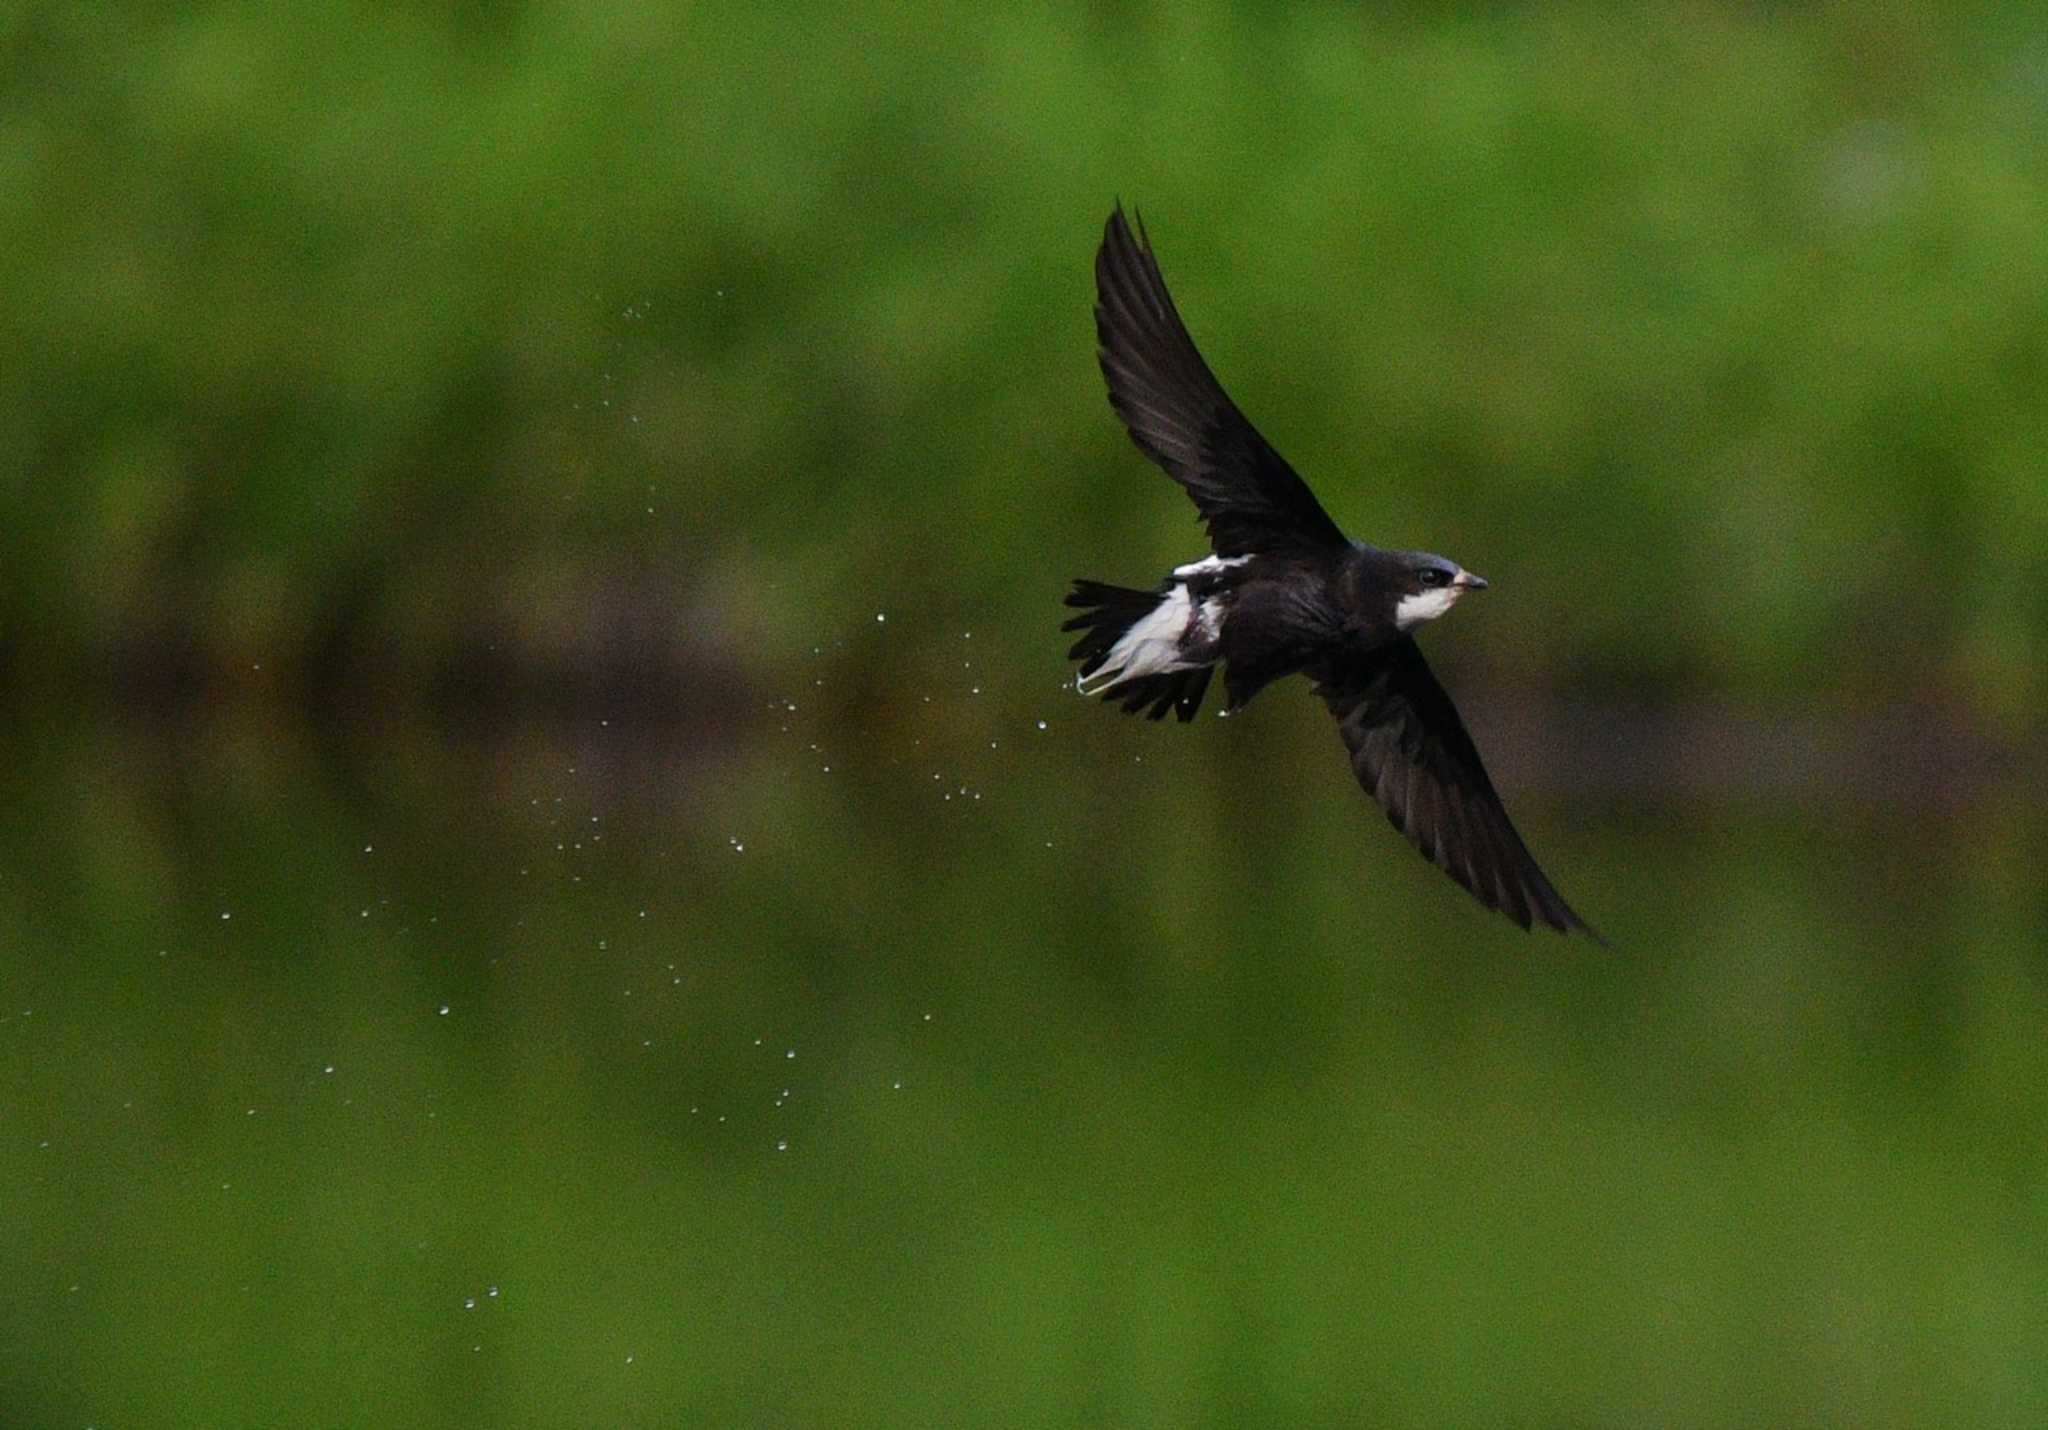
x=1150, y=647
x=1413, y=610
x=1208, y=564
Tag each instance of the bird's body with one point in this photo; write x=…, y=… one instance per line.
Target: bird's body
x=1286, y=593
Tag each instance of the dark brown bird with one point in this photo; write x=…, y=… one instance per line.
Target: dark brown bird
x=1285, y=592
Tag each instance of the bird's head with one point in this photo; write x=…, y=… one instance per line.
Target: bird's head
x=1424, y=586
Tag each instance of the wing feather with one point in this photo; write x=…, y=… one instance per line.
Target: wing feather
x=1180, y=417
x=1411, y=752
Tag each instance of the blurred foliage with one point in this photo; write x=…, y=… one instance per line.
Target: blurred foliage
x=1716, y=334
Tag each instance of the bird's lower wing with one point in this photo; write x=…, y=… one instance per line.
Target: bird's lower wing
x=1180, y=417
x=1412, y=754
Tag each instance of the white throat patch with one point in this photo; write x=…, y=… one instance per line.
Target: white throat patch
x=1413, y=610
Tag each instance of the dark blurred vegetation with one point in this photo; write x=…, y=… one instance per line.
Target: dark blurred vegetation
x=335, y=1093
x=349, y=342
x=599, y=374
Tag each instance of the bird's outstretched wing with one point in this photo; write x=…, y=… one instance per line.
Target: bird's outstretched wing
x=1410, y=751
x=1180, y=417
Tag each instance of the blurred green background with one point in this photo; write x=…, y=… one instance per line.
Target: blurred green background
x=549, y=874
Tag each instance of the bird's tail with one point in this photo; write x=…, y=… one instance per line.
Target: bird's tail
x=1129, y=648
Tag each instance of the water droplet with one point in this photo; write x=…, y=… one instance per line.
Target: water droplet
x=880, y=618
x=444, y=1010
x=1041, y=724
x=783, y=1145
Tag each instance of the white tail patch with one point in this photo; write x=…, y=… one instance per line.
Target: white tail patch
x=1150, y=647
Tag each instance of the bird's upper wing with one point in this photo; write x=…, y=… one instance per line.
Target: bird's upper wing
x=1180, y=417
x=1410, y=751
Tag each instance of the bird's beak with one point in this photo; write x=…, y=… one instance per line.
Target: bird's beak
x=1468, y=581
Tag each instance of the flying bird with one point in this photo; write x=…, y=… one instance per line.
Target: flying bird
x=1285, y=592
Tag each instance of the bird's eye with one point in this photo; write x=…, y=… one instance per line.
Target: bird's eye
x=1432, y=577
